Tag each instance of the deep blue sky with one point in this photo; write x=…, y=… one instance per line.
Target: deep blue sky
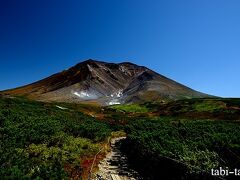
x=195, y=42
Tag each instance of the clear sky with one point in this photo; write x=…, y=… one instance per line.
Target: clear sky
x=195, y=42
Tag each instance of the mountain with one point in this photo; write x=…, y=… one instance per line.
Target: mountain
x=107, y=84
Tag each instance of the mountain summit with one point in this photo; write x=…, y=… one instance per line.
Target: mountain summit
x=107, y=84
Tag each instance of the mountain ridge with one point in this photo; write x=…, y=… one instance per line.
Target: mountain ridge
x=106, y=84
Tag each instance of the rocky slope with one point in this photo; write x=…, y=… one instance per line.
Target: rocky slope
x=105, y=83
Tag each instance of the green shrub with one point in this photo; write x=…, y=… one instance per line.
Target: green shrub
x=199, y=145
x=38, y=139
x=130, y=108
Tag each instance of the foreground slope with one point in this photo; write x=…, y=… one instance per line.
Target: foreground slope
x=41, y=140
x=107, y=84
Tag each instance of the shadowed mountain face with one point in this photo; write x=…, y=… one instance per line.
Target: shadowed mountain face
x=107, y=84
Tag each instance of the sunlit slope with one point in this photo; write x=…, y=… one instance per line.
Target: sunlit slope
x=106, y=84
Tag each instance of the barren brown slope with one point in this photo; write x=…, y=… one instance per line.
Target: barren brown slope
x=106, y=83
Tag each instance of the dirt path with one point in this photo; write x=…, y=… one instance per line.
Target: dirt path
x=115, y=165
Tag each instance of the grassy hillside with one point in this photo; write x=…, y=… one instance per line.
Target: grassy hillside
x=39, y=140
x=204, y=108
x=53, y=140
x=188, y=148
x=130, y=108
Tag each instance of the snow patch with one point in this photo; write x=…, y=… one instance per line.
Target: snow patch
x=60, y=107
x=81, y=94
x=119, y=93
x=85, y=95
x=115, y=98
x=110, y=99
x=113, y=103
